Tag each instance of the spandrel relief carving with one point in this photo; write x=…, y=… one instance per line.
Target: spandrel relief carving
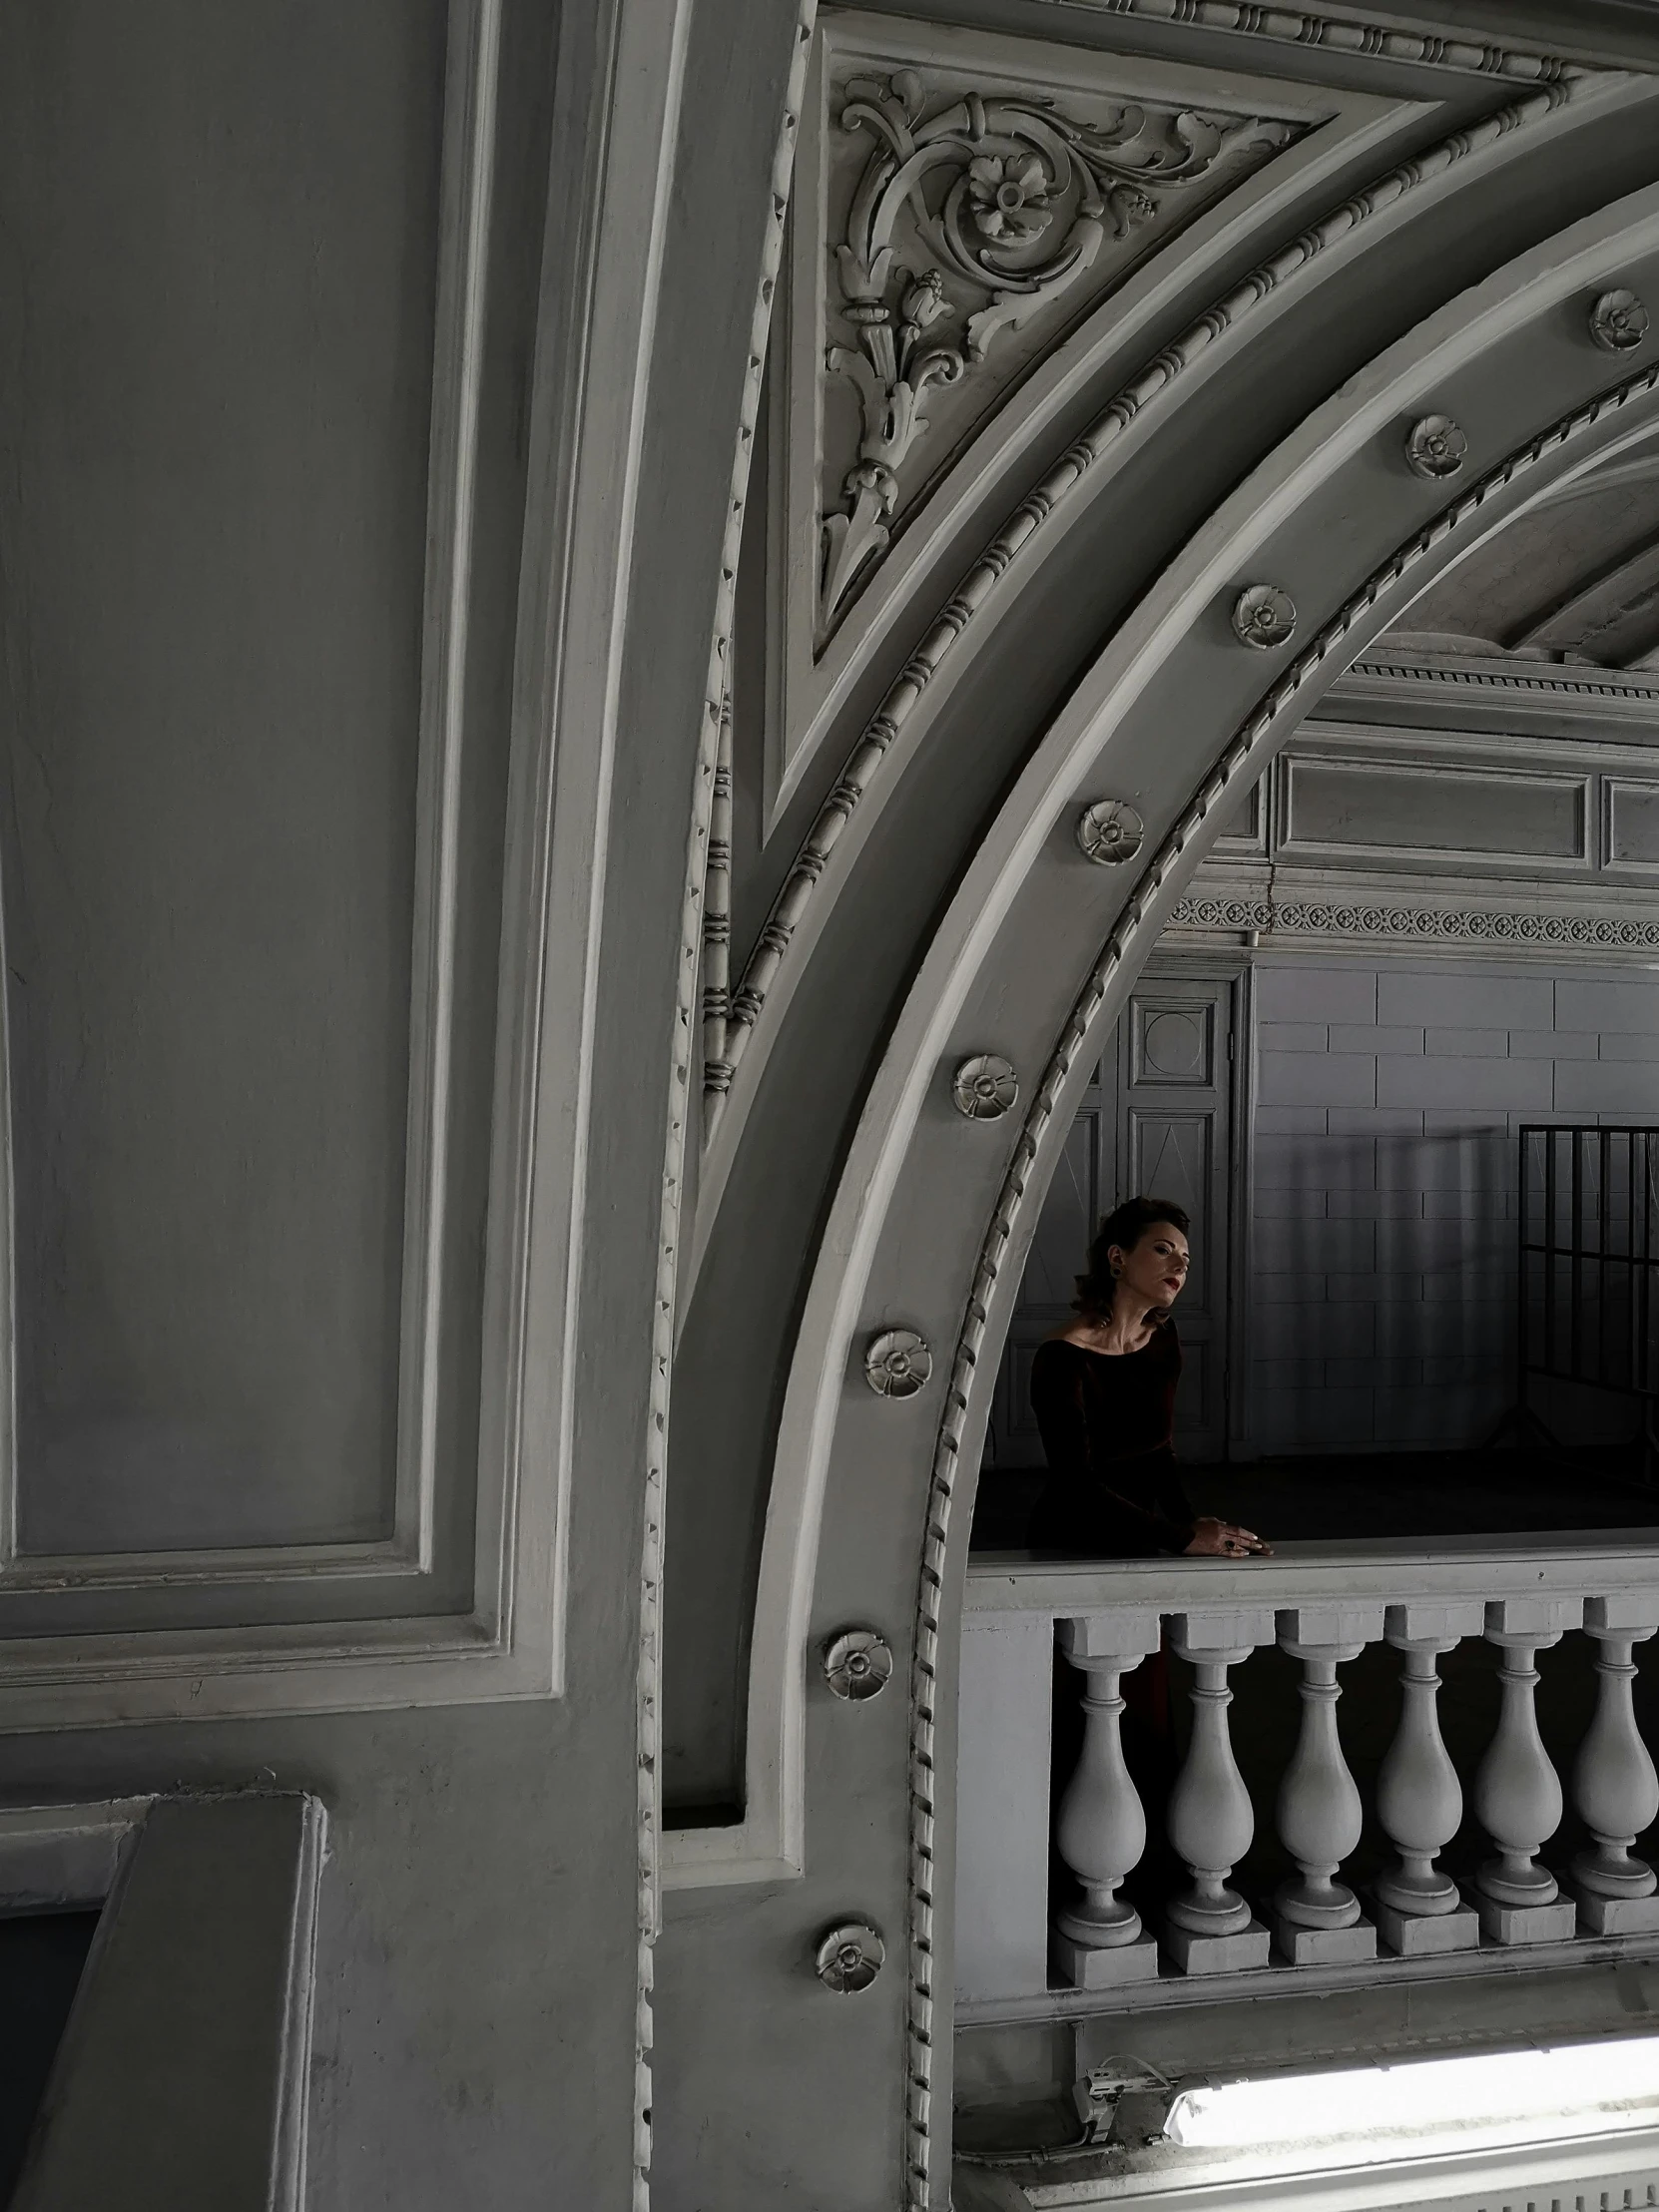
x=969, y=227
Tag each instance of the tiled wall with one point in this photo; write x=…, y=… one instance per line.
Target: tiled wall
x=1381, y=1309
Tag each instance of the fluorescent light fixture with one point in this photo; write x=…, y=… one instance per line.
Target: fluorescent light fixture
x=1506, y=2096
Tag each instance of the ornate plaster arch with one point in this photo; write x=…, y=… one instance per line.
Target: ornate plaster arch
x=1174, y=378
x=918, y=1228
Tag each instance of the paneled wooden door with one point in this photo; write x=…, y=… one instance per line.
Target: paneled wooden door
x=1160, y=1117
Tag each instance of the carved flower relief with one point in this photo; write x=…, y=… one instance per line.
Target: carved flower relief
x=857, y=1664
x=1436, y=446
x=849, y=1959
x=898, y=1364
x=983, y=1088
x=1010, y=196
x=977, y=212
x=1618, y=322
x=1263, y=615
x=923, y=301
x=1109, y=832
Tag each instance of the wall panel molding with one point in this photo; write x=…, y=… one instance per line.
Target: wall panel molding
x=461, y=1598
x=1532, y=695
x=407, y=1553
x=1457, y=879
x=1399, y=915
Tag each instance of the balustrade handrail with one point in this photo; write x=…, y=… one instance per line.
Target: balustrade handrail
x=1323, y=1604
x=1383, y=1567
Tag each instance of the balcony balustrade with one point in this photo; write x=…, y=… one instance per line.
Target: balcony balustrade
x=1019, y=1952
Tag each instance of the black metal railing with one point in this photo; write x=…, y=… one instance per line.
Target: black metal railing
x=1588, y=1300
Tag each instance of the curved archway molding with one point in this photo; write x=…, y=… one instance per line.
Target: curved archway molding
x=1513, y=361
x=1633, y=405
x=1085, y=477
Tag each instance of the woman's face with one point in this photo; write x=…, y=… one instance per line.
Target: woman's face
x=1156, y=1267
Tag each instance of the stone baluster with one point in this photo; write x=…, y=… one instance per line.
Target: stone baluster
x=1316, y=1918
x=1210, y=1929
x=1101, y=1831
x=1420, y=1803
x=1615, y=1790
x=1517, y=1794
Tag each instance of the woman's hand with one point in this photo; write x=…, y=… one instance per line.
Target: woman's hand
x=1219, y=1539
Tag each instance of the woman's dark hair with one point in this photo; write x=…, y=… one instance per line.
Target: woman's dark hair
x=1124, y=1226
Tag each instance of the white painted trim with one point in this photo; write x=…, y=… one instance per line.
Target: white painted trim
x=1343, y=34
x=211, y=1567
x=64, y=1854
x=1432, y=1569
x=1602, y=2170
x=1494, y=314
x=468, y=170
x=1173, y=1994
x=105, y=1680
x=466, y=176
x=595, y=310
x=1617, y=696
x=294, y=2100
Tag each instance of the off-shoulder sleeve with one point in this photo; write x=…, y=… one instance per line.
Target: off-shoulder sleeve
x=1097, y=1517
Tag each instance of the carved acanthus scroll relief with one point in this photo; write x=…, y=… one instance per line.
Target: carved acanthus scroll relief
x=1011, y=204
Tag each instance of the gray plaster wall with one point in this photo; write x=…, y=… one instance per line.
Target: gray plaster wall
x=1381, y=1304
x=479, y=2022
x=213, y=536
x=218, y=265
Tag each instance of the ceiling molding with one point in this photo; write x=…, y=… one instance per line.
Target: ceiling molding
x=1537, y=689
x=1326, y=909
x=1588, y=34
x=1368, y=34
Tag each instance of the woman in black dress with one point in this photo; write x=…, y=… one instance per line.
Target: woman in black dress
x=1103, y=1392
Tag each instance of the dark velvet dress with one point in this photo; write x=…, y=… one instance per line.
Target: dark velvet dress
x=1108, y=1423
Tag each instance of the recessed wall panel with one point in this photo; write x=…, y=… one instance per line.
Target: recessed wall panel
x=1436, y=809
x=1632, y=823
x=214, y=539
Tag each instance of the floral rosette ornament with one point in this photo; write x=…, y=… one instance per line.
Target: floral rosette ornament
x=1263, y=615
x=898, y=1364
x=1618, y=322
x=857, y=1664
x=983, y=1088
x=1436, y=446
x=850, y=1958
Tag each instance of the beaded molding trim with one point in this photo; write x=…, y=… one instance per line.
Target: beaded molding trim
x=1342, y=35
x=743, y=1010
x=1240, y=759
x=681, y=1101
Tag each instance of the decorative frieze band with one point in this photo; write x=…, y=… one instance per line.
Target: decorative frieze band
x=1515, y=925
